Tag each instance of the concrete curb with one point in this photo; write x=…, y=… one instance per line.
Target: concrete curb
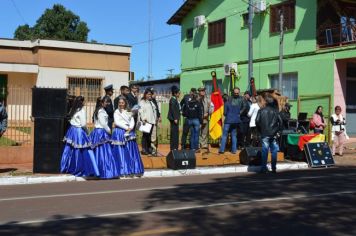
x=8, y=180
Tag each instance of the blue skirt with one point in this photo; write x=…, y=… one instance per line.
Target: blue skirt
x=134, y=152
x=78, y=158
x=120, y=152
x=107, y=164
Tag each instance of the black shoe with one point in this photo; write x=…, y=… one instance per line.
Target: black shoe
x=274, y=172
x=264, y=171
x=221, y=152
x=144, y=153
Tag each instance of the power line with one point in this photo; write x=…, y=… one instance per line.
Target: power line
x=155, y=39
x=18, y=11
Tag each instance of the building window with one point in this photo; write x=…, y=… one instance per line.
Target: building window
x=208, y=84
x=288, y=9
x=244, y=20
x=89, y=88
x=189, y=34
x=216, y=32
x=289, y=84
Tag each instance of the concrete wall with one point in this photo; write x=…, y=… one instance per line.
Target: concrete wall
x=57, y=77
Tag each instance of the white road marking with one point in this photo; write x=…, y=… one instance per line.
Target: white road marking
x=169, y=187
x=191, y=207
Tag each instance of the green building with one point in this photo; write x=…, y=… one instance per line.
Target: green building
x=319, y=65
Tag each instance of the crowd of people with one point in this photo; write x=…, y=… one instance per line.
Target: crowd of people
x=111, y=151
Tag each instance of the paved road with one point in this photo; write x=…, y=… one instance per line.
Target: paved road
x=308, y=202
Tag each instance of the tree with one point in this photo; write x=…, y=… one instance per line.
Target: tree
x=57, y=23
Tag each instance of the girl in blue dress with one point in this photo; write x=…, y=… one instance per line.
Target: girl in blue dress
x=100, y=140
x=124, y=141
x=78, y=158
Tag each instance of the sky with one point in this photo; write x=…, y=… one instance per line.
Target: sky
x=122, y=22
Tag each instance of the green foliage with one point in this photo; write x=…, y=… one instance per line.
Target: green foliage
x=57, y=23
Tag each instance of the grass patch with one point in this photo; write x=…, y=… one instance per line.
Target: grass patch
x=26, y=130
x=7, y=142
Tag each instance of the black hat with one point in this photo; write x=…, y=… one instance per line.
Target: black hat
x=148, y=90
x=151, y=89
x=202, y=88
x=288, y=105
x=108, y=87
x=193, y=90
x=174, y=89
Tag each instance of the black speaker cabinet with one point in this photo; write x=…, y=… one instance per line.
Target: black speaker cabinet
x=318, y=154
x=181, y=159
x=49, y=102
x=49, y=130
x=47, y=158
x=48, y=145
x=251, y=156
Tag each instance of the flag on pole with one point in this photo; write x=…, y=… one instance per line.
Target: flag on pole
x=215, y=127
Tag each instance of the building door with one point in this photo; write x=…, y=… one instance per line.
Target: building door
x=3, y=88
x=351, y=106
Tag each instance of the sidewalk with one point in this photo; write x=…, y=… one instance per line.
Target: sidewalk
x=42, y=178
x=11, y=174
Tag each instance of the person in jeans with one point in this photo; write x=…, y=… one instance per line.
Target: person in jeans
x=232, y=120
x=174, y=117
x=269, y=124
x=318, y=120
x=195, y=119
x=183, y=105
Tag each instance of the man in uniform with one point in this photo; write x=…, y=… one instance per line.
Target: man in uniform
x=109, y=91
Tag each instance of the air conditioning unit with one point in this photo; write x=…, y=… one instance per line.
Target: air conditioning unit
x=199, y=21
x=228, y=67
x=260, y=6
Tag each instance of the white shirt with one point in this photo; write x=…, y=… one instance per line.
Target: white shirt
x=102, y=121
x=253, y=113
x=123, y=119
x=79, y=119
x=147, y=111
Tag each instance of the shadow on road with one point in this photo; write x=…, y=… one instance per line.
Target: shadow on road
x=253, y=208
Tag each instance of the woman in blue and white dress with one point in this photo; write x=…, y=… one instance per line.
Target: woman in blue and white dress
x=100, y=140
x=124, y=134
x=78, y=158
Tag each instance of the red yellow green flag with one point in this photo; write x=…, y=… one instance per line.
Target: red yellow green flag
x=215, y=126
x=310, y=138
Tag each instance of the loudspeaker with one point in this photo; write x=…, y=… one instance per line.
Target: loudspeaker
x=47, y=158
x=48, y=145
x=251, y=156
x=181, y=159
x=49, y=102
x=49, y=130
x=318, y=154
x=294, y=153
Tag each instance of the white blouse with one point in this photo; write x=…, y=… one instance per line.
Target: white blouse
x=102, y=121
x=79, y=119
x=123, y=119
x=253, y=114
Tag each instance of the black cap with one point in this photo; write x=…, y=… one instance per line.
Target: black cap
x=193, y=90
x=108, y=87
x=175, y=89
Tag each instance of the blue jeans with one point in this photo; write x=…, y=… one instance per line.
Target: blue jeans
x=269, y=143
x=194, y=126
x=229, y=128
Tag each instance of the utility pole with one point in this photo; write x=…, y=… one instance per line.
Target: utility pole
x=149, y=77
x=170, y=73
x=281, y=30
x=250, y=43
